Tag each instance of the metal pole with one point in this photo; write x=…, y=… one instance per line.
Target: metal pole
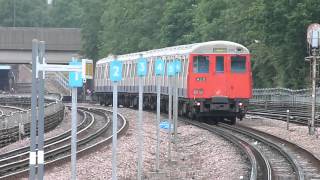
x=313, y=112
x=170, y=118
x=157, y=125
x=20, y=127
x=33, y=156
x=176, y=105
x=114, y=130
x=288, y=118
x=14, y=13
x=140, y=133
x=41, y=115
x=74, y=135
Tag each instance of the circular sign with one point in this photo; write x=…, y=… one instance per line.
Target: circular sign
x=312, y=27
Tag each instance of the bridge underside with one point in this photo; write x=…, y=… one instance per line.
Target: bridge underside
x=25, y=57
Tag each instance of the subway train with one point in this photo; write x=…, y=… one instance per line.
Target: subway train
x=215, y=82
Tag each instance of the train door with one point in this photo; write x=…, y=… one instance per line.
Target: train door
x=240, y=76
x=199, y=79
x=219, y=79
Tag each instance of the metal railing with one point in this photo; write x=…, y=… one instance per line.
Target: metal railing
x=21, y=117
x=60, y=79
x=302, y=96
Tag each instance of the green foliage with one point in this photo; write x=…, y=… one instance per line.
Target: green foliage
x=37, y=13
x=130, y=26
x=28, y=13
x=65, y=13
x=91, y=26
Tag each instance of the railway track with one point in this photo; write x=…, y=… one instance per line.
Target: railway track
x=94, y=131
x=260, y=166
x=270, y=157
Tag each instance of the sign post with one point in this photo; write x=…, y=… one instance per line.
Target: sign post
x=177, y=65
x=39, y=66
x=75, y=81
x=41, y=116
x=33, y=127
x=142, y=72
x=159, y=71
x=170, y=73
x=115, y=77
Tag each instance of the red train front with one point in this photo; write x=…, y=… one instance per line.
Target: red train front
x=220, y=82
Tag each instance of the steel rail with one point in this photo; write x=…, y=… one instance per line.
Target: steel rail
x=18, y=153
x=260, y=167
x=62, y=153
x=299, y=172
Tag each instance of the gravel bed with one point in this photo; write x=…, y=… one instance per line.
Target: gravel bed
x=297, y=134
x=198, y=155
x=64, y=126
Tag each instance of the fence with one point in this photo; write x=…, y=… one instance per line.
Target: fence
x=23, y=116
x=302, y=96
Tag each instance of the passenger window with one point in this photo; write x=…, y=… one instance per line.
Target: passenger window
x=201, y=64
x=238, y=63
x=220, y=64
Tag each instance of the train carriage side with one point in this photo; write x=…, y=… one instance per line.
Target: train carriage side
x=215, y=80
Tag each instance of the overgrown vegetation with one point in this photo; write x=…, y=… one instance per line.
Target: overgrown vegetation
x=274, y=31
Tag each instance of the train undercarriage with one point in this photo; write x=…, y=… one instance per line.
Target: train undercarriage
x=211, y=110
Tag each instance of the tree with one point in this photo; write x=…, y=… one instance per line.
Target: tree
x=66, y=13
x=28, y=13
x=177, y=22
x=91, y=27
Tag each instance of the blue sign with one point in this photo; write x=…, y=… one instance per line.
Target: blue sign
x=159, y=67
x=142, y=67
x=75, y=78
x=177, y=66
x=165, y=125
x=115, y=71
x=171, y=69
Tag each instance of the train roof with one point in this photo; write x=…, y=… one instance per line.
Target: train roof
x=210, y=47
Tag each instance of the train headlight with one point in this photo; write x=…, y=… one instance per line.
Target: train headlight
x=198, y=103
x=200, y=91
x=240, y=104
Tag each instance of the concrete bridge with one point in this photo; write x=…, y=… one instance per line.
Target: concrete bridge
x=61, y=44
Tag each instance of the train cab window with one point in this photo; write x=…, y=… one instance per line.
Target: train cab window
x=220, y=64
x=201, y=64
x=238, y=63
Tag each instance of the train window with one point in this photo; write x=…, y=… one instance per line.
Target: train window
x=124, y=68
x=238, y=63
x=201, y=64
x=219, y=64
x=105, y=71
x=97, y=72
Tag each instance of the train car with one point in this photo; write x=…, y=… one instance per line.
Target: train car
x=215, y=82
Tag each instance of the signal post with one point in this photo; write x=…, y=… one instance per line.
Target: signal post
x=313, y=35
